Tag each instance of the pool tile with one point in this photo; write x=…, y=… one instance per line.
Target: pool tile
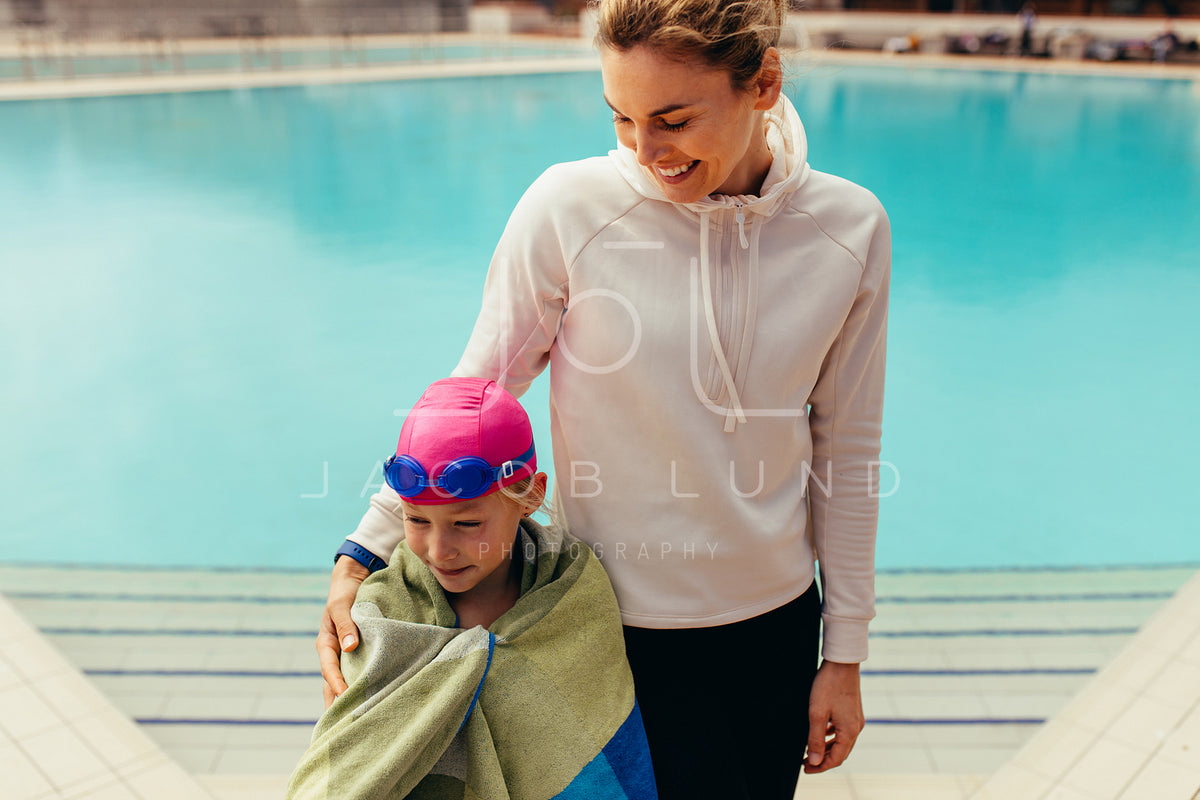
x=197, y=760
x=170, y=737
x=941, y=706
x=139, y=705
x=1054, y=748
x=1104, y=707
x=951, y=760
x=1105, y=768
x=258, y=760
x=114, y=738
x=1020, y=705
x=826, y=786
x=110, y=790
x=1067, y=793
x=247, y=787
x=186, y=706
x=1191, y=650
x=1149, y=720
x=906, y=787
x=1177, y=679
x=292, y=705
x=63, y=756
x=71, y=695
x=1182, y=745
x=1160, y=780
x=163, y=780
x=8, y=675
x=19, y=775
x=1010, y=737
x=1014, y=782
x=892, y=759
x=25, y=712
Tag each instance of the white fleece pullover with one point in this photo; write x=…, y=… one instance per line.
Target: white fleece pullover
x=712, y=365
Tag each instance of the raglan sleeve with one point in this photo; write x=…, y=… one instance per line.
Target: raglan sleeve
x=524, y=296
x=845, y=418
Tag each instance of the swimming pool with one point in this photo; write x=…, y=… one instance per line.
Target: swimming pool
x=211, y=304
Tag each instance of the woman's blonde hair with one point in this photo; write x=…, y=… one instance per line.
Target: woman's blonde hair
x=732, y=36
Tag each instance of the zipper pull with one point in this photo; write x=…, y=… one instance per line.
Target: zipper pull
x=741, y=221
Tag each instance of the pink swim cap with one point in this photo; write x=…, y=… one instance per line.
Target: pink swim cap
x=458, y=419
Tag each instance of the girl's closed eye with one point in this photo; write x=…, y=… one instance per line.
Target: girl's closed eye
x=678, y=126
x=467, y=524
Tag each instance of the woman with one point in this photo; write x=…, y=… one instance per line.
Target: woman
x=714, y=314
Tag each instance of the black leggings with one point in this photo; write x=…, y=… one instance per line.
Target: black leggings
x=726, y=708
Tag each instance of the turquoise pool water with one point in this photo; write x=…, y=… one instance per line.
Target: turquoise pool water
x=211, y=303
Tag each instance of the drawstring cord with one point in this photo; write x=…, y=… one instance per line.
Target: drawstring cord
x=735, y=414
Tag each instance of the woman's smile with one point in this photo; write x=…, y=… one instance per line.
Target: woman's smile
x=677, y=174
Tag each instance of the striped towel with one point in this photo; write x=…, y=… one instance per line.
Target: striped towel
x=539, y=706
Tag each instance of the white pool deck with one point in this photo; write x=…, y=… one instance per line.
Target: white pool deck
x=990, y=685
x=996, y=685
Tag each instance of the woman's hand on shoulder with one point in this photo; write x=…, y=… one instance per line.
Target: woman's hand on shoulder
x=835, y=716
x=338, y=632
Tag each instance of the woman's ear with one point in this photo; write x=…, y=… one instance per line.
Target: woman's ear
x=769, y=82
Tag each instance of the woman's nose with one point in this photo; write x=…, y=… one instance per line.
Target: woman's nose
x=649, y=146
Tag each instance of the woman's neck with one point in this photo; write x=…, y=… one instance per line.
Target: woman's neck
x=750, y=175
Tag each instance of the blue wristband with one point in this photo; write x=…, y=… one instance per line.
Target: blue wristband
x=360, y=554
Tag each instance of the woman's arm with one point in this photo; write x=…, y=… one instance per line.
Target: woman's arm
x=845, y=418
x=846, y=423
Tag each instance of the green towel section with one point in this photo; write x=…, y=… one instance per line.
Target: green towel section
x=540, y=706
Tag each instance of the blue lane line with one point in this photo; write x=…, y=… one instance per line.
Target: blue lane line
x=954, y=721
x=917, y=673
x=171, y=632
x=201, y=673
x=966, y=633
x=884, y=721
x=950, y=673
x=1030, y=598
x=1067, y=568
x=160, y=568
x=172, y=721
x=125, y=597
x=1017, y=632
x=324, y=571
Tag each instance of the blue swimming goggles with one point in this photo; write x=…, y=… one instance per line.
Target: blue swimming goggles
x=464, y=478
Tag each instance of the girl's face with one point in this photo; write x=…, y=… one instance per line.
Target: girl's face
x=690, y=129
x=468, y=545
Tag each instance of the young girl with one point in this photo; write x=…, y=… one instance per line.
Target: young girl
x=492, y=663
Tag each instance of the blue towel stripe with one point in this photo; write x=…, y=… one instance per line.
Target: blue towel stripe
x=486, y=668
x=621, y=771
